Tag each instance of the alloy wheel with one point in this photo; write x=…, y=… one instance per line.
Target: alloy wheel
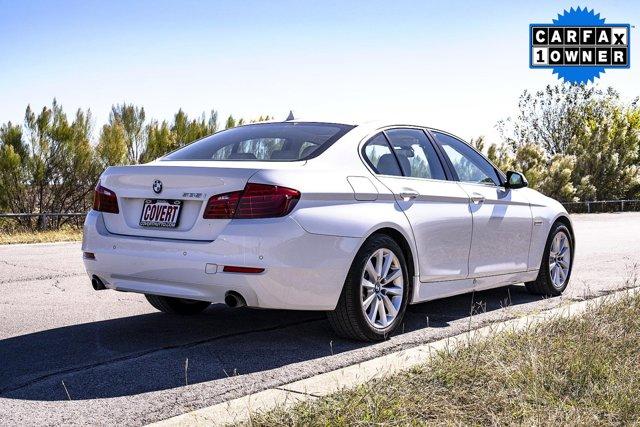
x=559, y=259
x=382, y=285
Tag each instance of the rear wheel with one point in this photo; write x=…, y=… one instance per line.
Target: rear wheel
x=375, y=293
x=177, y=305
x=557, y=262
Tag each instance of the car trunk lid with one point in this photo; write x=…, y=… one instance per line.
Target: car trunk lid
x=192, y=183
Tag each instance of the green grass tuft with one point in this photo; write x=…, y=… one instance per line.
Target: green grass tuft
x=578, y=371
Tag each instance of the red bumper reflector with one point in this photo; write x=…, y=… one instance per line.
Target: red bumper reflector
x=236, y=269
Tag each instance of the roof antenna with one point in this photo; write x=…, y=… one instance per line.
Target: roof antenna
x=290, y=116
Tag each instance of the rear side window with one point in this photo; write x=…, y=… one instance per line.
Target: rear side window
x=378, y=154
x=267, y=142
x=415, y=153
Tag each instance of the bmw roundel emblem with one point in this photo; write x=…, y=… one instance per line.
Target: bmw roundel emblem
x=157, y=186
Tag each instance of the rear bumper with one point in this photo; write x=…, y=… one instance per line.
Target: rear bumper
x=303, y=271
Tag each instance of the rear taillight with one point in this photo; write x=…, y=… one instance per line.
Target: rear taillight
x=222, y=206
x=255, y=201
x=266, y=201
x=105, y=200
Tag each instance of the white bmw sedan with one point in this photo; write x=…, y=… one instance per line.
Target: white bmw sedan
x=355, y=220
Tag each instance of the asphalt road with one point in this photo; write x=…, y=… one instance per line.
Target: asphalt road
x=71, y=355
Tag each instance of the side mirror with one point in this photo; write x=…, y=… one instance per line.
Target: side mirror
x=516, y=180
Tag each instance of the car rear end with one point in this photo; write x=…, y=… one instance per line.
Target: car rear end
x=213, y=220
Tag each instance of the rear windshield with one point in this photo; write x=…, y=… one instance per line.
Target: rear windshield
x=266, y=142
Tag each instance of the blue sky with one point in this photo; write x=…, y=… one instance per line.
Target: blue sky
x=458, y=65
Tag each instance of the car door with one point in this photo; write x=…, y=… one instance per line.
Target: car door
x=438, y=209
x=502, y=220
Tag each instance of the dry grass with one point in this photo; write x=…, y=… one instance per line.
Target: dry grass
x=580, y=371
x=63, y=235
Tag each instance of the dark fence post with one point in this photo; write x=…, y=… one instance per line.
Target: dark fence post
x=43, y=220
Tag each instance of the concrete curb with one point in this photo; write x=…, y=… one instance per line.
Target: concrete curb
x=241, y=409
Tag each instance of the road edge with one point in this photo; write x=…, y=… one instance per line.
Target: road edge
x=62, y=242
x=241, y=409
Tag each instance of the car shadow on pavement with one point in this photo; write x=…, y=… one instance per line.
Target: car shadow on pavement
x=152, y=352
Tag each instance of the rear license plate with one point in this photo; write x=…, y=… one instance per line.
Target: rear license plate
x=160, y=213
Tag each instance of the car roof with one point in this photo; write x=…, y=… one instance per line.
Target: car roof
x=373, y=124
x=363, y=126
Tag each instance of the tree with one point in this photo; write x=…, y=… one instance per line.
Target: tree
x=530, y=160
x=606, y=150
x=50, y=165
x=478, y=143
x=11, y=134
x=186, y=131
x=213, y=121
x=231, y=123
x=79, y=169
x=62, y=168
x=557, y=181
x=132, y=119
x=501, y=157
x=551, y=176
x=112, y=147
x=160, y=141
x=12, y=180
x=261, y=119
x=14, y=156
x=548, y=118
x=163, y=137
x=584, y=130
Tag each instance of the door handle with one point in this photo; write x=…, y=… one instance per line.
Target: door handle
x=408, y=194
x=477, y=198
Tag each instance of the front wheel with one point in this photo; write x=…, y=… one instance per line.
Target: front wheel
x=557, y=262
x=177, y=305
x=375, y=293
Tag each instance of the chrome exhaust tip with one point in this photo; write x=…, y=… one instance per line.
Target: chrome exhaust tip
x=234, y=299
x=97, y=283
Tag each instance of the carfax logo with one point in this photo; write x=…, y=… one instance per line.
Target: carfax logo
x=578, y=46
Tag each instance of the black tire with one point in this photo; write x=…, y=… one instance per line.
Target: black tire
x=543, y=284
x=177, y=305
x=348, y=319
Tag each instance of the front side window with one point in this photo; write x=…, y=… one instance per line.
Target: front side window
x=415, y=153
x=264, y=142
x=468, y=164
x=379, y=155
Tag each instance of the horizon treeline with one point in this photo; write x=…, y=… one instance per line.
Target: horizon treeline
x=571, y=142
x=51, y=162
